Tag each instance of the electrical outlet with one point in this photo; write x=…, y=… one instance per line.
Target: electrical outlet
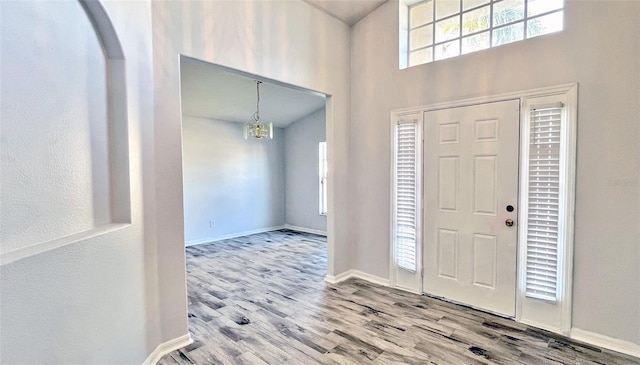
x=212, y=224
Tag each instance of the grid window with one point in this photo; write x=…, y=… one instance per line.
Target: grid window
x=440, y=29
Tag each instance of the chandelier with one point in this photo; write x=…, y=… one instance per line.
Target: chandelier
x=256, y=128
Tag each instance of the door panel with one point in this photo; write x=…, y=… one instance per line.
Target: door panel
x=470, y=176
x=448, y=171
x=448, y=253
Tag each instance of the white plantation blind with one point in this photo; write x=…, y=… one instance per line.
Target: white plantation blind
x=323, y=168
x=405, y=199
x=543, y=201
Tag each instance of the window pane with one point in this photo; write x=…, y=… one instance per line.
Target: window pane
x=447, y=50
x=421, y=37
x=447, y=29
x=507, y=11
x=504, y=35
x=475, y=42
x=468, y=4
x=445, y=8
x=441, y=29
x=535, y=7
x=475, y=21
x=545, y=24
x=421, y=56
x=421, y=14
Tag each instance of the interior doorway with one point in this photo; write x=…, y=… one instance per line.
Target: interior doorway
x=234, y=186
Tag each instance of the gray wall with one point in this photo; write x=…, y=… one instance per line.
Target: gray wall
x=78, y=296
x=128, y=285
x=131, y=283
x=302, y=184
x=42, y=198
x=242, y=185
x=599, y=49
x=237, y=183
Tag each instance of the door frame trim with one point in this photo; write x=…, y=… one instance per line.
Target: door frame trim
x=486, y=99
x=570, y=90
x=563, y=307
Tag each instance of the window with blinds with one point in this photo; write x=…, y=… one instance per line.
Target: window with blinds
x=405, y=196
x=544, y=192
x=322, y=174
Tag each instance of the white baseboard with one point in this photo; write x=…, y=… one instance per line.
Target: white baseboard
x=359, y=275
x=306, y=230
x=233, y=235
x=543, y=326
x=167, y=347
x=403, y=288
x=338, y=278
x=610, y=343
x=371, y=278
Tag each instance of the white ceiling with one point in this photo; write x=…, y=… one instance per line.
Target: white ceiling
x=349, y=11
x=214, y=92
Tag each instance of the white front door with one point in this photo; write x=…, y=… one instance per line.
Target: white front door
x=470, y=193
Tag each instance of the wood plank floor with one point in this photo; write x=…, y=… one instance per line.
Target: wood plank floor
x=262, y=299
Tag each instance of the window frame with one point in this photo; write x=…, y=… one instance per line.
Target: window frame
x=406, y=28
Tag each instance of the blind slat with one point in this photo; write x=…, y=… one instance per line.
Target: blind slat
x=405, y=196
x=543, y=197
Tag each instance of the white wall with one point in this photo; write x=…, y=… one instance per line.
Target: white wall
x=237, y=183
x=114, y=297
x=302, y=180
x=599, y=49
x=91, y=300
x=289, y=41
x=128, y=286
x=54, y=149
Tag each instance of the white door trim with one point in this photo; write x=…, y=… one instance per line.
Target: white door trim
x=570, y=90
x=555, y=317
x=551, y=90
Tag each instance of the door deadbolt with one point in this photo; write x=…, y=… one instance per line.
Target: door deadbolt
x=509, y=222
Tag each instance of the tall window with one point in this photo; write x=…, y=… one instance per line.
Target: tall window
x=439, y=29
x=544, y=196
x=322, y=163
x=547, y=197
x=405, y=199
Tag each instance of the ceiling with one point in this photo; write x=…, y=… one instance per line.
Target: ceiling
x=349, y=11
x=214, y=92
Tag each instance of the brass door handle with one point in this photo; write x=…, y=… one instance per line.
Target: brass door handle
x=509, y=222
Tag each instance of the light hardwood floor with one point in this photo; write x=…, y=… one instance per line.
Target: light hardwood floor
x=262, y=299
